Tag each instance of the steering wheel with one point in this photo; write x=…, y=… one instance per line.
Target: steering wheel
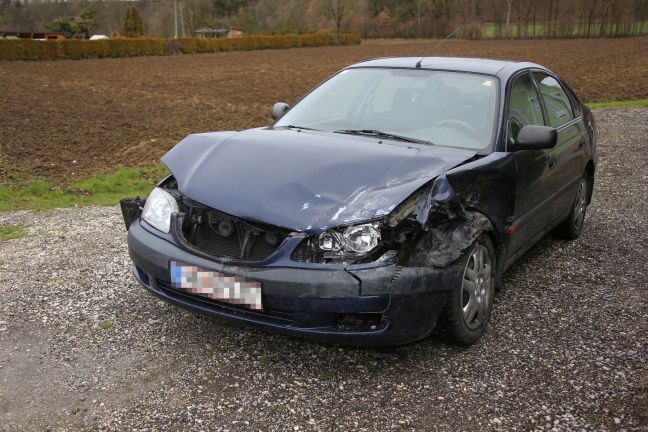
x=459, y=125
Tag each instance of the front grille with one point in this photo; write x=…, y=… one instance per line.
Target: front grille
x=301, y=252
x=225, y=236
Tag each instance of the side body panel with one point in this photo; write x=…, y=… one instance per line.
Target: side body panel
x=570, y=165
x=538, y=182
x=489, y=186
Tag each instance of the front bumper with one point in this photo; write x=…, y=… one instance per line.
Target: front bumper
x=376, y=304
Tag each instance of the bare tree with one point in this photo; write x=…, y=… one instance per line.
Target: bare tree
x=338, y=10
x=407, y=18
x=508, y=14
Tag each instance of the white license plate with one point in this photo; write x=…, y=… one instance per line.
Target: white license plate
x=215, y=285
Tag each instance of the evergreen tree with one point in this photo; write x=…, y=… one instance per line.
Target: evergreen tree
x=133, y=26
x=138, y=27
x=128, y=23
x=75, y=26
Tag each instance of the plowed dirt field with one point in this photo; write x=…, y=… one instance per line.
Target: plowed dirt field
x=67, y=120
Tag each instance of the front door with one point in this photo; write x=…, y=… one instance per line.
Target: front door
x=537, y=174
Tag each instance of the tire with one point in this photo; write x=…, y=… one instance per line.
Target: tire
x=572, y=227
x=468, y=309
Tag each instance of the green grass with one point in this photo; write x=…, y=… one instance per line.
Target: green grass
x=105, y=325
x=326, y=374
x=624, y=104
x=102, y=190
x=10, y=232
x=489, y=30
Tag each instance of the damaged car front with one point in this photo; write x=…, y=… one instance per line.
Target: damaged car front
x=367, y=212
x=360, y=283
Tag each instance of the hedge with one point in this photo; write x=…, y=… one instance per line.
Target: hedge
x=74, y=49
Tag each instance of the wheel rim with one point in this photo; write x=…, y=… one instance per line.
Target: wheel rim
x=580, y=204
x=476, y=288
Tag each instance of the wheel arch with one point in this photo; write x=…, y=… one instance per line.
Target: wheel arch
x=497, y=241
x=590, y=169
x=442, y=244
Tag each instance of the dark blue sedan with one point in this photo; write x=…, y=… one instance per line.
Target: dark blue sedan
x=388, y=201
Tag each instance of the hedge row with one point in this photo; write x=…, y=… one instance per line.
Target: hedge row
x=27, y=49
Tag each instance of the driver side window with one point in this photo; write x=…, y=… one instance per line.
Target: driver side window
x=524, y=106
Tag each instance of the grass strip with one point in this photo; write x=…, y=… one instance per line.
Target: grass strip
x=623, y=104
x=102, y=190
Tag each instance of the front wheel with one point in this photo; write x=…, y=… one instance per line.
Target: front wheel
x=468, y=310
x=571, y=227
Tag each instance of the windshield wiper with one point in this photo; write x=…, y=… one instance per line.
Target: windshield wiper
x=380, y=134
x=298, y=127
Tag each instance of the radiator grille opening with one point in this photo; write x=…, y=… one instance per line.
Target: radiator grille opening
x=225, y=236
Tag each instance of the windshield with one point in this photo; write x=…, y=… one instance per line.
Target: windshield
x=442, y=108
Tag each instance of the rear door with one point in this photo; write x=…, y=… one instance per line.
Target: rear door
x=570, y=157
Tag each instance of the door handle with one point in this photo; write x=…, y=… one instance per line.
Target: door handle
x=553, y=162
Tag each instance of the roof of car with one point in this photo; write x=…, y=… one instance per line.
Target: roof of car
x=461, y=64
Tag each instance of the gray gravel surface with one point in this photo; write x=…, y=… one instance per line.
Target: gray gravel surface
x=83, y=347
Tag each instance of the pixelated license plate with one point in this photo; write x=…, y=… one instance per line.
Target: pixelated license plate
x=215, y=285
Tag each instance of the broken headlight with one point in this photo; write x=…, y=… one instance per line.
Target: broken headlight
x=404, y=209
x=354, y=240
x=158, y=208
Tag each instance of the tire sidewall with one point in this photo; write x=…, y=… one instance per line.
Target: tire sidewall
x=568, y=229
x=453, y=323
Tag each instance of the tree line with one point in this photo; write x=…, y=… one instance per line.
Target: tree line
x=372, y=18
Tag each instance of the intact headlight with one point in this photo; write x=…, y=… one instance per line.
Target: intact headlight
x=353, y=240
x=158, y=208
x=361, y=238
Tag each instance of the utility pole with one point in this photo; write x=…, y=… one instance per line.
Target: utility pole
x=175, y=19
x=182, y=20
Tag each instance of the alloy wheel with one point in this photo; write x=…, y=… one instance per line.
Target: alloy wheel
x=580, y=204
x=476, y=288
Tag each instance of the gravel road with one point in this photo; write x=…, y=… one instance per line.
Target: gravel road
x=83, y=347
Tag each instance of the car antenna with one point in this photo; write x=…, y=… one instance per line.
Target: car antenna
x=418, y=64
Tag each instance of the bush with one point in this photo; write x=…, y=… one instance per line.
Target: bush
x=17, y=49
x=75, y=49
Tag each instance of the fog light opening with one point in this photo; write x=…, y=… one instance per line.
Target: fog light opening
x=356, y=322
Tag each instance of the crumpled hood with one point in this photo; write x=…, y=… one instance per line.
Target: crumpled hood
x=305, y=181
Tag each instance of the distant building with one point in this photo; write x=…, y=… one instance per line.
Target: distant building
x=211, y=33
x=31, y=35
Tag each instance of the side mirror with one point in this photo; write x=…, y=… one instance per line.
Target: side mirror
x=533, y=137
x=278, y=109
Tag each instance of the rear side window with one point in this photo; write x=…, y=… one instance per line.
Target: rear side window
x=574, y=101
x=559, y=106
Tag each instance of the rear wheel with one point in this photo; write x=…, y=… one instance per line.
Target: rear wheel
x=469, y=307
x=571, y=227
